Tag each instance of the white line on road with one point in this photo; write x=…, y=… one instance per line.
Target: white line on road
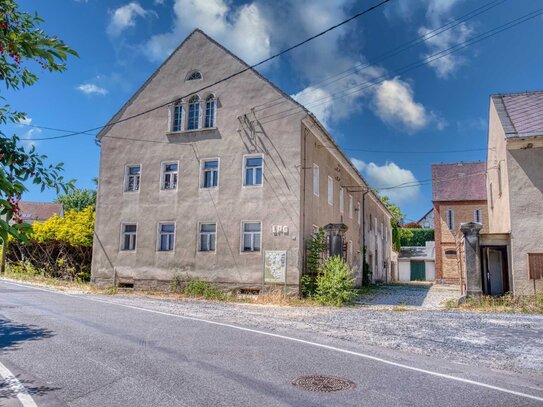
x=289, y=338
x=16, y=387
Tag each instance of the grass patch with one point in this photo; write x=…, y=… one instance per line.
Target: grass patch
x=520, y=304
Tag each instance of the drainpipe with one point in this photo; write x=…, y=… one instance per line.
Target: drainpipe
x=364, y=251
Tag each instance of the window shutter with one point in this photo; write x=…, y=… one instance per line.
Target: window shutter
x=535, y=261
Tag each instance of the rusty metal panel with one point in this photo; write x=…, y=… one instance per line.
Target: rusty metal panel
x=535, y=261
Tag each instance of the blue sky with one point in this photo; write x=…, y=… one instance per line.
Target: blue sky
x=438, y=107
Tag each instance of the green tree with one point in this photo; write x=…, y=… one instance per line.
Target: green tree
x=77, y=199
x=24, y=46
x=397, y=217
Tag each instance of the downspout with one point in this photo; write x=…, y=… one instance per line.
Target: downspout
x=302, y=202
x=364, y=251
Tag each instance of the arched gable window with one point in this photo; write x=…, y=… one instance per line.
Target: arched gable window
x=194, y=113
x=194, y=76
x=210, y=111
x=177, y=119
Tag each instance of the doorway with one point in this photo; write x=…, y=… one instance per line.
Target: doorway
x=418, y=271
x=495, y=272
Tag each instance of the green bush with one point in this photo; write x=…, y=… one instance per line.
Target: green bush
x=309, y=285
x=203, y=289
x=335, y=283
x=415, y=237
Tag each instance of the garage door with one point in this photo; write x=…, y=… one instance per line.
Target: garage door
x=418, y=271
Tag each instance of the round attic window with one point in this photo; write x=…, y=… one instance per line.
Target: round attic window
x=194, y=76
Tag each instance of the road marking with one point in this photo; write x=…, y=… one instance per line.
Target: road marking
x=16, y=387
x=292, y=339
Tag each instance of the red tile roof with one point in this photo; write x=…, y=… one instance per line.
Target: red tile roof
x=459, y=181
x=39, y=211
x=521, y=114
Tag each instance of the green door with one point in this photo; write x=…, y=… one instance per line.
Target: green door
x=418, y=271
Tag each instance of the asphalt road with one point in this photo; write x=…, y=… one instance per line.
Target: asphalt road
x=59, y=349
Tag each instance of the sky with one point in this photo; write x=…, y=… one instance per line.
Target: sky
x=391, y=119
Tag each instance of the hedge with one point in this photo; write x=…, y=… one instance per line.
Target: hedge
x=415, y=237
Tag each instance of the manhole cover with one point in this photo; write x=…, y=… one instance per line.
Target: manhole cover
x=325, y=384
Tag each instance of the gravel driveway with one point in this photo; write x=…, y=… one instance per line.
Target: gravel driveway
x=499, y=341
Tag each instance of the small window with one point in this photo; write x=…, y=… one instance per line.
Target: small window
x=535, y=264
x=210, y=173
x=251, y=236
x=194, y=113
x=169, y=175
x=194, y=76
x=316, y=179
x=370, y=222
x=129, y=232
x=166, y=237
x=341, y=203
x=358, y=213
x=450, y=219
x=477, y=216
x=450, y=252
x=210, y=112
x=132, y=178
x=208, y=235
x=350, y=206
x=177, y=117
x=253, y=170
x=330, y=191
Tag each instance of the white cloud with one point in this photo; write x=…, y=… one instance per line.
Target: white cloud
x=389, y=175
x=395, y=105
x=91, y=89
x=29, y=135
x=241, y=29
x=125, y=17
x=25, y=121
x=446, y=65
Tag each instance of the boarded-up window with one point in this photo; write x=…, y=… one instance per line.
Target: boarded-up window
x=535, y=261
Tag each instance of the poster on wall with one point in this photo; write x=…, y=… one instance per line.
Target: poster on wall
x=275, y=266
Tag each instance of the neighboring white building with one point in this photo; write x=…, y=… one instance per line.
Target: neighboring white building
x=427, y=221
x=417, y=263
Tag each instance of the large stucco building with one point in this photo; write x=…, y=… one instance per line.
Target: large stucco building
x=217, y=173
x=512, y=250
x=459, y=196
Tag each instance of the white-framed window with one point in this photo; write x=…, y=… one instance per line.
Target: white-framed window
x=477, y=216
x=178, y=115
x=450, y=219
x=250, y=241
x=253, y=166
x=133, y=173
x=330, y=191
x=170, y=171
x=341, y=200
x=193, y=121
x=128, y=236
x=208, y=236
x=166, y=237
x=350, y=206
x=210, y=173
x=211, y=105
x=194, y=75
x=358, y=213
x=350, y=252
x=316, y=179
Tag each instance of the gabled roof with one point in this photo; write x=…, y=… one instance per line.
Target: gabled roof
x=521, y=114
x=425, y=215
x=459, y=181
x=39, y=211
x=119, y=114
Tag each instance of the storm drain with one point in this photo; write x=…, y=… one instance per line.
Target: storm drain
x=325, y=384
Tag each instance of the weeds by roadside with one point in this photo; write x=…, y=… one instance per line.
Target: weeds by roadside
x=522, y=304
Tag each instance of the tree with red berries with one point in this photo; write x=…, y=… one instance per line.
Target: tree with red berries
x=24, y=46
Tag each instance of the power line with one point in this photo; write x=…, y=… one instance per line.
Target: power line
x=251, y=67
x=359, y=67
x=406, y=68
x=414, y=152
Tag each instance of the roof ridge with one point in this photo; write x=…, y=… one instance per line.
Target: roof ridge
x=521, y=93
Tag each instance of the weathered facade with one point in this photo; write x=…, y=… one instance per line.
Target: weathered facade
x=459, y=196
x=515, y=194
x=205, y=185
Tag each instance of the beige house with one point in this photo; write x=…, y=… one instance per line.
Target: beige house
x=221, y=180
x=513, y=247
